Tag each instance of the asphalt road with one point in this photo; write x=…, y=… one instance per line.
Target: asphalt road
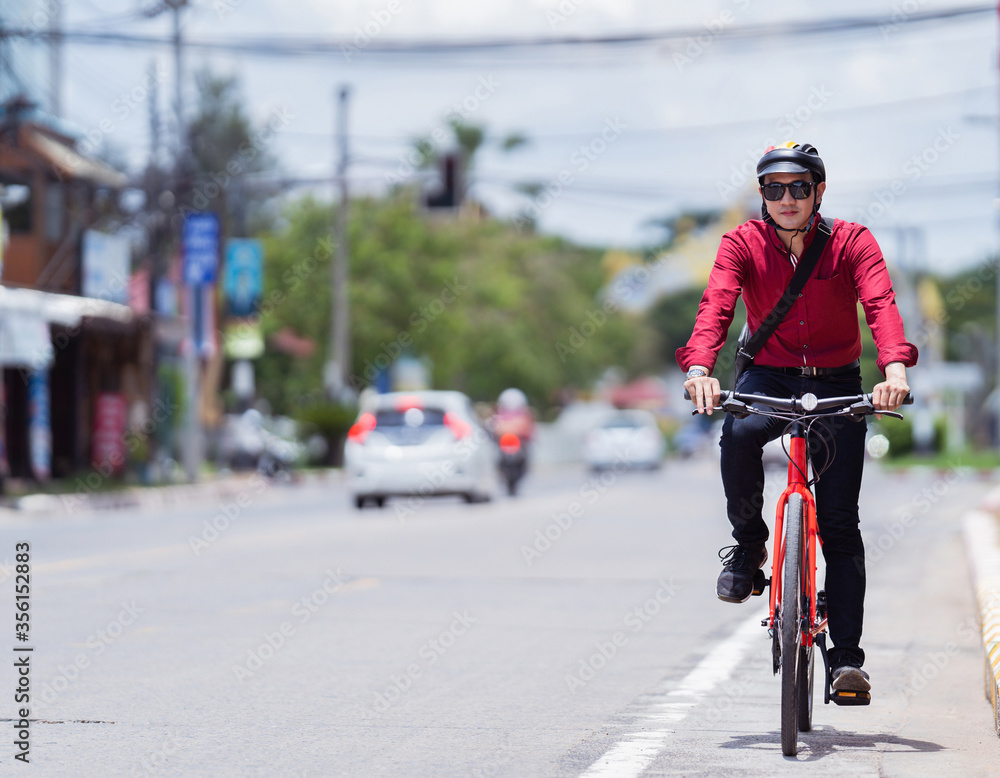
x=570, y=631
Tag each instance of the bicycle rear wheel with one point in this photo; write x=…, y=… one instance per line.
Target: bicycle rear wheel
x=791, y=617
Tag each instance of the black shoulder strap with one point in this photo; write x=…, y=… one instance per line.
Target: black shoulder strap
x=802, y=272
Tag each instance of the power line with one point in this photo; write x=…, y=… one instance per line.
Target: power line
x=658, y=132
x=303, y=46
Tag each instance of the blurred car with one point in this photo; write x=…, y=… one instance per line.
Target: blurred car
x=419, y=444
x=629, y=438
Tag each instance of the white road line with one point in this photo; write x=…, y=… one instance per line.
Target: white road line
x=637, y=750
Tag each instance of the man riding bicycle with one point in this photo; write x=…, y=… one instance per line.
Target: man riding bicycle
x=815, y=348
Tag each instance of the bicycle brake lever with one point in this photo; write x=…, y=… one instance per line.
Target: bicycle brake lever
x=859, y=409
x=890, y=413
x=737, y=408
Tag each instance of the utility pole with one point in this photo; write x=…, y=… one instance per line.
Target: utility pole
x=339, y=362
x=55, y=60
x=191, y=439
x=995, y=394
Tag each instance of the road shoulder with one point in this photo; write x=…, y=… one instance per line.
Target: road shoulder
x=982, y=536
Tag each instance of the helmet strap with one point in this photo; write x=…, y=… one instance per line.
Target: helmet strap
x=768, y=219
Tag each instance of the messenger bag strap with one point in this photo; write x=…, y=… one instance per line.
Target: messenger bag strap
x=802, y=272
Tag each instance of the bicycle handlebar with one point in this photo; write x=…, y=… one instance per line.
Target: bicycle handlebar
x=851, y=405
x=857, y=404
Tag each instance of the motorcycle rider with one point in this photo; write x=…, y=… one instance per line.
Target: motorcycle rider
x=513, y=426
x=513, y=416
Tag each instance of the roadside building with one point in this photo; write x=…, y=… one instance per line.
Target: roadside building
x=75, y=336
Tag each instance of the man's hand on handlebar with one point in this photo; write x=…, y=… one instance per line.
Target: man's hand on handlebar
x=889, y=395
x=704, y=392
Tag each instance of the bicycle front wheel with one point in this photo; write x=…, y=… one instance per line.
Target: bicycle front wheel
x=806, y=673
x=791, y=619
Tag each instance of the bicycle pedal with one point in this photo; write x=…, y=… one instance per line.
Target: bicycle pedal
x=760, y=583
x=850, y=698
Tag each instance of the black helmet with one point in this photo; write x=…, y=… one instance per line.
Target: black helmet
x=792, y=157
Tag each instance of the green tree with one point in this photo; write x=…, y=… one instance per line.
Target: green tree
x=485, y=306
x=225, y=152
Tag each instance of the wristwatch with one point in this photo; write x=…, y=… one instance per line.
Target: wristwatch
x=696, y=372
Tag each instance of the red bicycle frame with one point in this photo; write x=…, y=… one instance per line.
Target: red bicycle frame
x=797, y=484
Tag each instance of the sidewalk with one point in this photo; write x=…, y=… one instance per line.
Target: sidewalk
x=215, y=487
x=982, y=535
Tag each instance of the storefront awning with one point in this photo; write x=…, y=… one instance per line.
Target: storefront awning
x=25, y=316
x=73, y=164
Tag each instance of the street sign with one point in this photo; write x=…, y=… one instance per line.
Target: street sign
x=244, y=271
x=201, y=248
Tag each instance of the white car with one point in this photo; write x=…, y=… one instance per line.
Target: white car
x=625, y=439
x=419, y=444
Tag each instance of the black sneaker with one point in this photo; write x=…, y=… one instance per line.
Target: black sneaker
x=739, y=565
x=850, y=679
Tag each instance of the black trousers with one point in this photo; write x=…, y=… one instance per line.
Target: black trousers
x=836, y=492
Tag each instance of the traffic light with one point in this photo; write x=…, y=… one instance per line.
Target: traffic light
x=450, y=193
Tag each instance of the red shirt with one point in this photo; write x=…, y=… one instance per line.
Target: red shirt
x=821, y=329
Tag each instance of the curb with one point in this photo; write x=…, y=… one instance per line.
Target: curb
x=153, y=497
x=982, y=537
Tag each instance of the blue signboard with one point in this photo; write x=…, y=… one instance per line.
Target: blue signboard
x=244, y=275
x=39, y=424
x=201, y=248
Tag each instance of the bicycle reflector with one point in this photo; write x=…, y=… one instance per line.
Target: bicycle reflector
x=809, y=402
x=510, y=443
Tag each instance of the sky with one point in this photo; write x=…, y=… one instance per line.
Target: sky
x=905, y=113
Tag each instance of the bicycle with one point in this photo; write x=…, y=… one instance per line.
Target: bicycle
x=797, y=612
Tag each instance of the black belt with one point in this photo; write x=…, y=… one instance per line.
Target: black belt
x=815, y=371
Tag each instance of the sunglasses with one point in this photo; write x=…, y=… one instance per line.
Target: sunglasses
x=800, y=190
